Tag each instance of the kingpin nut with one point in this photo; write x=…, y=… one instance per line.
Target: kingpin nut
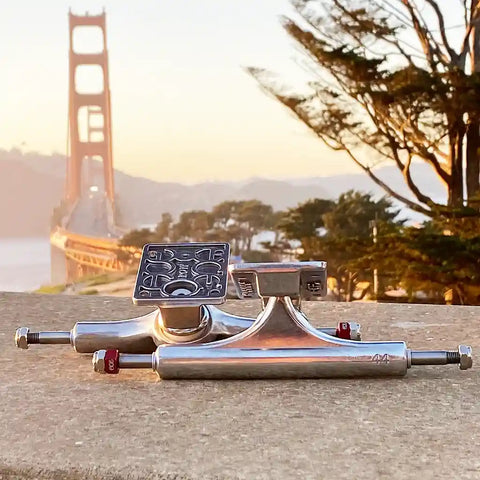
x=348, y=331
x=21, y=337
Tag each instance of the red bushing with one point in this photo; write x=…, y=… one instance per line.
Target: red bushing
x=111, y=361
x=343, y=330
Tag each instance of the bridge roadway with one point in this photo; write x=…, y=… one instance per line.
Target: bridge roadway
x=90, y=217
x=89, y=240
x=61, y=420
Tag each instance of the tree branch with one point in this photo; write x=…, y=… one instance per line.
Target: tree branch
x=443, y=33
x=428, y=48
x=465, y=49
x=412, y=205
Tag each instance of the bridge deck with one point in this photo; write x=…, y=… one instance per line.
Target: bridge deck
x=90, y=217
x=60, y=420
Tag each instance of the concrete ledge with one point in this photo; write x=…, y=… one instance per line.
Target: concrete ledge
x=58, y=419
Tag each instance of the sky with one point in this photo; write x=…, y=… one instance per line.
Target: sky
x=183, y=108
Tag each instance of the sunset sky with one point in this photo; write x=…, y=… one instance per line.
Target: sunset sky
x=183, y=108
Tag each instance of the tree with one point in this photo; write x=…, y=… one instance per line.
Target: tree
x=225, y=212
x=351, y=215
x=136, y=238
x=304, y=220
x=237, y=221
x=389, y=81
x=346, y=237
x=193, y=226
x=225, y=224
x=421, y=259
x=254, y=216
x=163, y=229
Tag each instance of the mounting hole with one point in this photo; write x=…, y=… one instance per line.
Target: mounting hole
x=180, y=288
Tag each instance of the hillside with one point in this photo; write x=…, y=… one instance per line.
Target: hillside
x=31, y=185
x=27, y=198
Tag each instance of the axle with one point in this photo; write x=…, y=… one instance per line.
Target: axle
x=375, y=359
x=50, y=338
x=462, y=356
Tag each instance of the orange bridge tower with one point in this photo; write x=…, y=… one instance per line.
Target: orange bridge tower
x=89, y=112
x=84, y=234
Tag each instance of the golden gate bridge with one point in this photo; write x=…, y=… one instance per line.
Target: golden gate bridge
x=84, y=236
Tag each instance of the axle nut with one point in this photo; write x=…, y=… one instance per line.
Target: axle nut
x=98, y=361
x=21, y=340
x=106, y=361
x=466, y=361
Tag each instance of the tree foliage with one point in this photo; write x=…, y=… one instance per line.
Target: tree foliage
x=351, y=215
x=137, y=238
x=345, y=237
x=163, y=230
x=192, y=226
x=425, y=259
x=236, y=222
x=429, y=259
x=390, y=84
x=304, y=220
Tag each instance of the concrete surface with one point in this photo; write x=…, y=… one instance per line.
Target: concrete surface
x=58, y=419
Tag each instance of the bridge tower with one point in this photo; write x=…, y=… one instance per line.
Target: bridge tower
x=89, y=114
x=84, y=232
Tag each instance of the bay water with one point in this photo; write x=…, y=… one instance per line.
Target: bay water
x=24, y=263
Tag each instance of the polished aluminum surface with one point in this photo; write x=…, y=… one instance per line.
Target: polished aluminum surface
x=281, y=344
x=143, y=334
x=134, y=335
x=305, y=280
x=194, y=340
x=181, y=318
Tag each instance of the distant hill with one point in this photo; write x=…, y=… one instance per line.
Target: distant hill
x=31, y=185
x=27, y=198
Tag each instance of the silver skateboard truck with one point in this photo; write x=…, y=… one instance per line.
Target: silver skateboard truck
x=281, y=343
x=184, y=281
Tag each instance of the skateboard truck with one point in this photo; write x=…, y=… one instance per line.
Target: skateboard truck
x=280, y=343
x=184, y=281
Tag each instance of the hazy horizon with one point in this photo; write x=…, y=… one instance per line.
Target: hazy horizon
x=183, y=108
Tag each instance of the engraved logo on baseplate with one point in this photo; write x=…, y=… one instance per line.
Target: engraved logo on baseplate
x=246, y=287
